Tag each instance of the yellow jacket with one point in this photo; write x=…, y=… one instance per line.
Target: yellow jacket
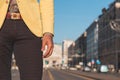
x=38, y=17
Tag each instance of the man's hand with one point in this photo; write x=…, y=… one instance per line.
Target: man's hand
x=47, y=40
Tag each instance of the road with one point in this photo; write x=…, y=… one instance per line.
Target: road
x=54, y=74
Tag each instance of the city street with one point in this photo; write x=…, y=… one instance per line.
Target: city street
x=55, y=74
x=84, y=43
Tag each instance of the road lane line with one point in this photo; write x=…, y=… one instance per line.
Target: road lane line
x=50, y=75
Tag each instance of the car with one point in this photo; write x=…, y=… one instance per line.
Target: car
x=72, y=68
x=63, y=68
x=104, y=68
x=86, y=69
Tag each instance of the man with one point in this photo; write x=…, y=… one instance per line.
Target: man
x=26, y=27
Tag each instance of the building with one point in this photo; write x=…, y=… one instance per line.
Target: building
x=65, y=46
x=77, y=51
x=109, y=36
x=80, y=48
x=92, y=42
x=71, y=52
x=55, y=59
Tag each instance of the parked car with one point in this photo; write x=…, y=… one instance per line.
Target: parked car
x=63, y=68
x=72, y=68
x=104, y=68
x=87, y=69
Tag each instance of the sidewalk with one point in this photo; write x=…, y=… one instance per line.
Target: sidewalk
x=97, y=76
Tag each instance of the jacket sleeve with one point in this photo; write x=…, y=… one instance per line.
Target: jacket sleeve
x=47, y=15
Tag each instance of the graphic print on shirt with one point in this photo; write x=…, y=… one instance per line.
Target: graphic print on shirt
x=13, y=8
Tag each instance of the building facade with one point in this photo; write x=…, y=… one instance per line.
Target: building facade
x=65, y=46
x=77, y=51
x=55, y=59
x=80, y=48
x=109, y=36
x=92, y=42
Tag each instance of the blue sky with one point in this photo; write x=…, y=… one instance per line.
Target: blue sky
x=72, y=17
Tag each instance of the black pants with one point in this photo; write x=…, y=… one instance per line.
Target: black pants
x=15, y=37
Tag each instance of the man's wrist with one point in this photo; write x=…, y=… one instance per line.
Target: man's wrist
x=48, y=33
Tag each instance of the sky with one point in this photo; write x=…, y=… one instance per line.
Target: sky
x=73, y=17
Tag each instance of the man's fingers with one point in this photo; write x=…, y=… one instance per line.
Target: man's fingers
x=48, y=52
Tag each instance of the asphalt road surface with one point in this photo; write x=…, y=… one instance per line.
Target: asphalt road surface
x=53, y=74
